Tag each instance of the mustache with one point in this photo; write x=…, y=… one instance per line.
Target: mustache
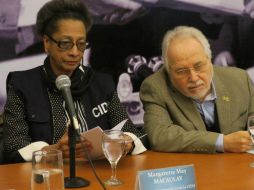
x=194, y=84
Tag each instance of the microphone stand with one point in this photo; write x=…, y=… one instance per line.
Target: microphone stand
x=73, y=181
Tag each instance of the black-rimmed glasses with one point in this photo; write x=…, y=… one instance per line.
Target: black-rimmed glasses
x=67, y=44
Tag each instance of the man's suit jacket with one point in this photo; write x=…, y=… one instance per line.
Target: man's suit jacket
x=174, y=124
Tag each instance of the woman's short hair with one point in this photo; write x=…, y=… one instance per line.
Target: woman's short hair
x=55, y=10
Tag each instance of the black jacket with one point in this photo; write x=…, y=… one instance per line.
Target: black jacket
x=33, y=112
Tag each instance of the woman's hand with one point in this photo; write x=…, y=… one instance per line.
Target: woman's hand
x=129, y=145
x=64, y=146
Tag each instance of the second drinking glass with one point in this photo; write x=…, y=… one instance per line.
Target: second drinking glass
x=250, y=126
x=113, y=148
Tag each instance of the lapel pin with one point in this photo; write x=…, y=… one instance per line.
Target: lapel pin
x=225, y=98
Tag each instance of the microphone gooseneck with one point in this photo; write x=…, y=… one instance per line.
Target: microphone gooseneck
x=63, y=83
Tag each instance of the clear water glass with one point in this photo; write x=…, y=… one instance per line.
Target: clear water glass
x=250, y=126
x=113, y=148
x=47, y=170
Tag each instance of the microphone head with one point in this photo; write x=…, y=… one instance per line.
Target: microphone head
x=62, y=81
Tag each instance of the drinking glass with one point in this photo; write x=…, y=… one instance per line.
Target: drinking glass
x=113, y=148
x=47, y=170
x=250, y=126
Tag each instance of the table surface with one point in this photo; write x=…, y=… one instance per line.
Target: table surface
x=226, y=171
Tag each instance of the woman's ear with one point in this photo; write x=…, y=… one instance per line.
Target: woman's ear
x=46, y=43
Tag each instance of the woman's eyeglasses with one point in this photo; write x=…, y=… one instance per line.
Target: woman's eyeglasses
x=67, y=44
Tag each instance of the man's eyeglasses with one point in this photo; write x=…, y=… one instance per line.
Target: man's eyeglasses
x=67, y=44
x=185, y=72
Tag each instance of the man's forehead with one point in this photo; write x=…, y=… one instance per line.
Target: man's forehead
x=183, y=42
x=186, y=52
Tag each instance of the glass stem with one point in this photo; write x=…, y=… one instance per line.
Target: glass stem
x=113, y=167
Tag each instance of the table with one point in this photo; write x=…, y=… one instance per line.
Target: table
x=226, y=171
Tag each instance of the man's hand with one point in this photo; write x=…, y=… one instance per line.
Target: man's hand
x=239, y=141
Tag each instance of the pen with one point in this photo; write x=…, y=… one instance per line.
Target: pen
x=133, y=140
x=142, y=136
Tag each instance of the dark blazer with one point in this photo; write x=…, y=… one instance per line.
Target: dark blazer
x=29, y=114
x=174, y=124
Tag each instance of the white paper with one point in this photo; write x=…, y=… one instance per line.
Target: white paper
x=120, y=125
x=94, y=135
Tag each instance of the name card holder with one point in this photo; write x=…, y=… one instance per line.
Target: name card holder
x=172, y=178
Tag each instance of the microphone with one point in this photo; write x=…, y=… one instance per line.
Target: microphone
x=63, y=83
x=137, y=65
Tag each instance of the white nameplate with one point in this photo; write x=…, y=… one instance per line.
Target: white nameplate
x=172, y=178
